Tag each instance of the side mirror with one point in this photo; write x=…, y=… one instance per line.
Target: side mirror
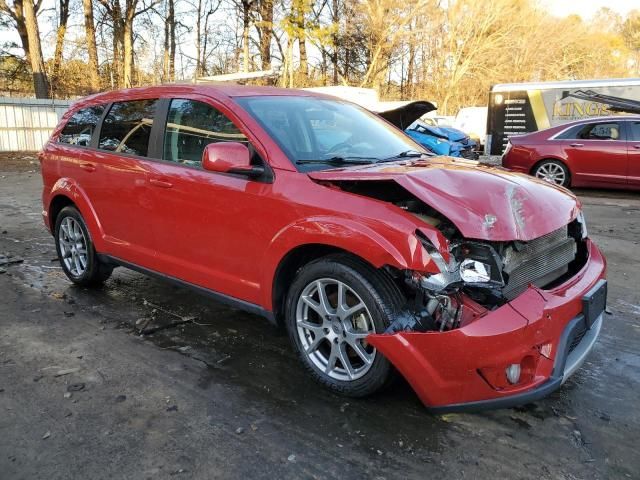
x=230, y=157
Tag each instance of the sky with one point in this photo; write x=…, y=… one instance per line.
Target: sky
x=586, y=8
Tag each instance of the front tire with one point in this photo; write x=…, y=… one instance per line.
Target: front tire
x=333, y=304
x=76, y=252
x=553, y=171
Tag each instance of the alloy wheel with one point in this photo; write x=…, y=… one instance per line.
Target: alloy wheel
x=332, y=324
x=552, y=173
x=73, y=246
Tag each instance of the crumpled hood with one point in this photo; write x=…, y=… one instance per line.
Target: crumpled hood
x=483, y=202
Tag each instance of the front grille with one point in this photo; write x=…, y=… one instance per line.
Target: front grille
x=538, y=262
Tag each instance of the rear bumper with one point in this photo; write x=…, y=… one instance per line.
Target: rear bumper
x=462, y=369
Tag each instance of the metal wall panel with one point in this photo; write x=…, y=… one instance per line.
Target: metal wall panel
x=26, y=123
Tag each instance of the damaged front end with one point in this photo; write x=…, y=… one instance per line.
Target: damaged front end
x=481, y=276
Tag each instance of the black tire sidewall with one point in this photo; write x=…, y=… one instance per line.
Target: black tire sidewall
x=92, y=271
x=379, y=309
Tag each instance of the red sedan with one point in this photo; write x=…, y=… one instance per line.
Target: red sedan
x=480, y=286
x=600, y=152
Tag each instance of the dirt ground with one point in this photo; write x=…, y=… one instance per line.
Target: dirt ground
x=141, y=379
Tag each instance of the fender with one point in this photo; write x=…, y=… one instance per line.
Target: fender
x=69, y=188
x=354, y=237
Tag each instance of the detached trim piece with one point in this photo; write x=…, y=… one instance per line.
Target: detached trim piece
x=564, y=366
x=216, y=296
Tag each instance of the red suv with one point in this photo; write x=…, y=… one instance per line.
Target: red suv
x=599, y=152
x=480, y=286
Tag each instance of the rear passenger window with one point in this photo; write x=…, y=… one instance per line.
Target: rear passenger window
x=191, y=125
x=80, y=127
x=599, y=131
x=127, y=127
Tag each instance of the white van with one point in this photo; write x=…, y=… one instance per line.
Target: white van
x=473, y=122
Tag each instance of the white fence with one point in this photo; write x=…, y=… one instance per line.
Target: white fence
x=26, y=123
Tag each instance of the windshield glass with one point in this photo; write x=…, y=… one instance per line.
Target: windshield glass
x=317, y=133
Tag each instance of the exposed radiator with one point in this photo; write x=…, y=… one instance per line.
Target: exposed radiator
x=538, y=262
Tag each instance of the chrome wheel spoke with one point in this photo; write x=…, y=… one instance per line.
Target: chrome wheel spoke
x=344, y=359
x=331, y=361
x=362, y=353
x=332, y=320
x=322, y=296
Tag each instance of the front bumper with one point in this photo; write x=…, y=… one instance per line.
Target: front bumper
x=456, y=370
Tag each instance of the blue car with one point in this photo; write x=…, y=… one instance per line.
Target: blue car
x=443, y=140
x=440, y=140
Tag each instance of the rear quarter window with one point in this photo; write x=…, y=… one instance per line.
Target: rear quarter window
x=80, y=127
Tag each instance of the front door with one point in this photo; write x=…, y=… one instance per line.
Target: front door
x=207, y=225
x=598, y=154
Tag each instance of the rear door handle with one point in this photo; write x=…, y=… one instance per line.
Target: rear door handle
x=160, y=183
x=577, y=144
x=89, y=167
x=637, y=147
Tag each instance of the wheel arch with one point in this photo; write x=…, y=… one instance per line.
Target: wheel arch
x=67, y=192
x=293, y=261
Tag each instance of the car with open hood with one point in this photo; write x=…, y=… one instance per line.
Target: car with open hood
x=478, y=285
x=441, y=140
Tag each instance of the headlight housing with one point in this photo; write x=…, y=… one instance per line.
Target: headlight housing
x=474, y=271
x=583, y=224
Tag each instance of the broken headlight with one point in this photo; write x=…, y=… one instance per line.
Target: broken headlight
x=471, y=263
x=473, y=271
x=583, y=224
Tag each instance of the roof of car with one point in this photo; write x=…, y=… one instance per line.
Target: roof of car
x=228, y=90
x=609, y=118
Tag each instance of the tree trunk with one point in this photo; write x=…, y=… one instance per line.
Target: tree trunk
x=266, y=16
x=246, y=24
x=118, y=30
x=198, y=72
x=172, y=40
x=62, y=29
x=336, y=40
x=299, y=10
x=127, y=41
x=40, y=82
x=90, y=34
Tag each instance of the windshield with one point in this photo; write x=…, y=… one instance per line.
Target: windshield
x=317, y=133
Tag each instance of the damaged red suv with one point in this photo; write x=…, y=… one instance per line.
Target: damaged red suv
x=481, y=287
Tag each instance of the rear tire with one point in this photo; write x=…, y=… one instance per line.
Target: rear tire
x=553, y=171
x=76, y=252
x=331, y=339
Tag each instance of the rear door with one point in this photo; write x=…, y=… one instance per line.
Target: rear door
x=73, y=153
x=633, y=151
x=597, y=155
x=122, y=201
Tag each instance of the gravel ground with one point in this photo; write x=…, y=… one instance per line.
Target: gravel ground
x=141, y=379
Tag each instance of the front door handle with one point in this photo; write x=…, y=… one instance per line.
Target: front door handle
x=89, y=167
x=577, y=144
x=160, y=183
x=637, y=147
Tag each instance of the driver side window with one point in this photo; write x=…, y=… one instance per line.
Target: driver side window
x=191, y=126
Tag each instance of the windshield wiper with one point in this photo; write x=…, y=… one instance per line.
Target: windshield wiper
x=340, y=160
x=405, y=154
